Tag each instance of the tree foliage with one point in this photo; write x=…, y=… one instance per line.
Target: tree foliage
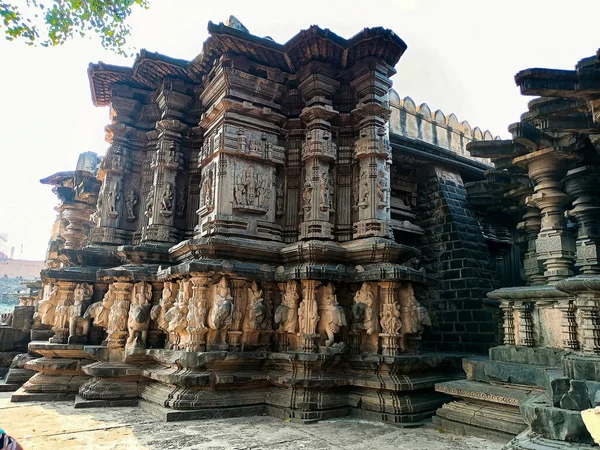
x=53, y=22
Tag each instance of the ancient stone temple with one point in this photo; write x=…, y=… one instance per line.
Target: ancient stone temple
x=272, y=230
x=544, y=186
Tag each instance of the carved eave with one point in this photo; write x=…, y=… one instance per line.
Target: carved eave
x=581, y=83
x=216, y=247
x=59, y=178
x=218, y=267
x=128, y=273
x=103, y=76
x=150, y=68
x=76, y=274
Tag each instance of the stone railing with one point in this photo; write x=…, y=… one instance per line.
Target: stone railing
x=419, y=122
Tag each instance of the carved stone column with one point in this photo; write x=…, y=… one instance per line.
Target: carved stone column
x=167, y=161
x=65, y=297
x=117, y=318
x=308, y=316
x=318, y=153
x=390, y=321
x=198, y=307
x=509, y=322
x=115, y=165
x=589, y=323
x=569, y=324
x=554, y=246
x=293, y=178
x=373, y=152
x=530, y=226
x=525, y=323
x=582, y=184
x=240, y=287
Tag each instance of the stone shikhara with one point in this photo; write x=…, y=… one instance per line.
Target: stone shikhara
x=272, y=230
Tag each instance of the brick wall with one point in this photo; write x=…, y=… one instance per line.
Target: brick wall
x=454, y=251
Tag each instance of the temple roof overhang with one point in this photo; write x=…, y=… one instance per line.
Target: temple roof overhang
x=313, y=44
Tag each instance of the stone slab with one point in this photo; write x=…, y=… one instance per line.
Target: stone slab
x=171, y=415
x=531, y=441
x=482, y=391
x=537, y=356
x=444, y=425
x=504, y=419
x=8, y=387
x=23, y=396
x=81, y=402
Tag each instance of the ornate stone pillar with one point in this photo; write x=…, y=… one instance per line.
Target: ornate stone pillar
x=293, y=179
x=308, y=316
x=240, y=288
x=117, y=318
x=509, y=322
x=589, y=323
x=319, y=152
x=525, y=323
x=582, y=184
x=554, y=246
x=64, y=299
x=390, y=321
x=114, y=166
x=166, y=162
x=530, y=226
x=197, y=310
x=373, y=152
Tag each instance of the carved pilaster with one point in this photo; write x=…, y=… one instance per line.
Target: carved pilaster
x=239, y=307
x=568, y=324
x=118, y=315
x=509, y=322
x=308, y=316
x=390, y=321
x=589, y=323
x=530, y=226
x=525, y=323
x=198, y=308
x=64, y=300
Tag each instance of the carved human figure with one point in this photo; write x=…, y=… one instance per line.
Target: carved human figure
x=100, y=311
x=334, y=315
x=256, y=313
x=307, y=194
x=130, y=201
x=382, y=190
x=79, y=326
x=139, y=315
x=149, y=202
x=46, y=307
x=390, y=318
x=363, y=308
x=206, y=192
x=114, y=195
x=220, y=315
x=418, y=315
x=166, y=302
x=324, y=190
x=166, y=203
x=364, y=186
x=181, y=202
x=286, y=314
x=176, y=316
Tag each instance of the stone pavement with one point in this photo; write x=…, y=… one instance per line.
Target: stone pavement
x=40, y=426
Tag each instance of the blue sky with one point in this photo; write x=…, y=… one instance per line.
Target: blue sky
x=462, y=56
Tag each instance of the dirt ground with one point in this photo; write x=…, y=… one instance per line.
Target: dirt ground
x=58, y=425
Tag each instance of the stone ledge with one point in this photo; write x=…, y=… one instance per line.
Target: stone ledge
x=23, y=396
x=484, y=392
x=463, y=429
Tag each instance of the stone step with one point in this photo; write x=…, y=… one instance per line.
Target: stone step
x=477, y=390
x=535, y=356
x=491, y=416
x=526, y=375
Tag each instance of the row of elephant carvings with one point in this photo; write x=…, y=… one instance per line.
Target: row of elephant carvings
x=196, y=312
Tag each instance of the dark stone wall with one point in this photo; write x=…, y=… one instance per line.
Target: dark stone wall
x=455, y=252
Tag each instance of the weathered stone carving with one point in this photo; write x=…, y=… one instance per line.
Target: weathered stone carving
x=286, y=315
x=46, y=306
x=166, y=203
x=181, y=202
x=197, y=312
x=79, y=326
x=363, y=311
x=176, y=317
x=130, y=202
x=334, y=315
x=100, y=311
x=114, y=196
x=139, y=315
x=149, y=202
x=324, y=190
x=308, y=315
x=207, y=197
x=166, y=302
x=256, y=311
x=118, y=315
x=220, y=315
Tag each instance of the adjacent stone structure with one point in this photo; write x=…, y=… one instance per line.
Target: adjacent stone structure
x=544, y=188
x=272, y=231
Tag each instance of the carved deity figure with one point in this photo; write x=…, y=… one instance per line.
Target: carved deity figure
x=176, y=316
x=324, y=191
x=181, y=202
x=79, y=326
x=172, y=153
x=166, y=302
x=356, y=193
x=130, y=201
x=206, y=192
x=256, y=313
x=279, y=194
x=286, y=314
x=220, y=315
x=308, y=316
x=166, y=203
x=114, y=195
x=46, y=306
x=418, y=315
x=139, y=315
x=100, y=311
x=390, y=318
x=149, y=202
x=363, y=310
x=334, y=316
x=307, y=194
x=382, y=190
x=364, y=186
